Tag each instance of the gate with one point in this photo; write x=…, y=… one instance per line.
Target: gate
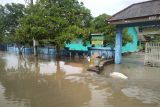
x=152, y=54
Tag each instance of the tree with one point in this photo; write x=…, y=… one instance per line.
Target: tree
x=9, y=19
x=101, y=26
x=1, y=22
x=52, y=20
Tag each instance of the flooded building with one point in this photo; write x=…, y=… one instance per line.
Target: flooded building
x=136, y=15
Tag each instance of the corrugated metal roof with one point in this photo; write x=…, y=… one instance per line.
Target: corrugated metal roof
x=149, y=8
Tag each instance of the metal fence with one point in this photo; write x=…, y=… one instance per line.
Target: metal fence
x=152, y=54
x=41, y=50
x=107, y=53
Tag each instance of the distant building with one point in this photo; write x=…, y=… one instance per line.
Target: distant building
x=149, y=33
x=78, y=46
x=96, y=45
x=97, y=40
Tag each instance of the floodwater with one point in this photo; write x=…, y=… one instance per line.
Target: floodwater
x=44, y=82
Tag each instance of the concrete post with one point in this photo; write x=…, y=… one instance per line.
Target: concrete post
x=118, y=46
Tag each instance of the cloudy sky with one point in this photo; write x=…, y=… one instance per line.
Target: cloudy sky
x=97, y=7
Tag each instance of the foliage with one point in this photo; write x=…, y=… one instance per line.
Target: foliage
x=9, y=20
x=101, y=26
x=55, y=21
x=126, y=38
x=1, y=22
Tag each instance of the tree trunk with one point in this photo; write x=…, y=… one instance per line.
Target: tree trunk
x=58, y=51
x=35, y=46
x=19, y=52
x=20, y=49
x=35, y=50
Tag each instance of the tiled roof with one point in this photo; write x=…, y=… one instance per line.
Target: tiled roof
x=143, y=9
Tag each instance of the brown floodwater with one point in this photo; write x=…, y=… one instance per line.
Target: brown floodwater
x=45, y=82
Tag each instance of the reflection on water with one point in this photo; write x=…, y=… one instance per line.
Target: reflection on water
x=40, y=84
x=45, y=82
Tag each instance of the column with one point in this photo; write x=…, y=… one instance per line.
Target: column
x=118, y=46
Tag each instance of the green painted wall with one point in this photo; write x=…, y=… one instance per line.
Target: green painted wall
x=77, y=45
x=131, y=47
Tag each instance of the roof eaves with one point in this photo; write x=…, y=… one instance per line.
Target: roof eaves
x=134, y=18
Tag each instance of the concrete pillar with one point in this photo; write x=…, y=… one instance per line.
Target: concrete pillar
x=118, y=46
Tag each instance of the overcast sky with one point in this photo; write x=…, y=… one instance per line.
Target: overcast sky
x=97, y=7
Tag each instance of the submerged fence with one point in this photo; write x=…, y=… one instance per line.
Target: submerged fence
x=152, y=54
x=105, y=52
